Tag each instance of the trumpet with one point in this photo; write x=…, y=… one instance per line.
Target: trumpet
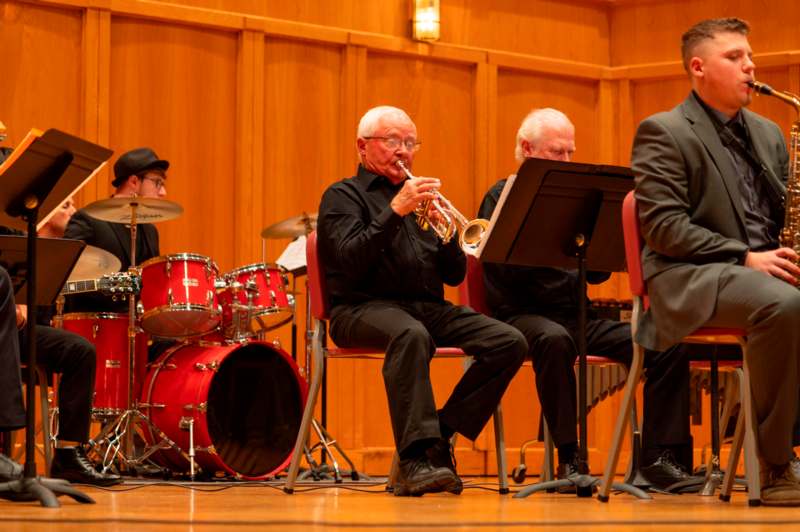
x=450, y=221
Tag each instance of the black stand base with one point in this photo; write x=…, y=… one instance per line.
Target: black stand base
x=44, y=490
x=584, y=486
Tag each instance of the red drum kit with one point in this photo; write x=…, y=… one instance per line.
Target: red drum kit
x=220, y=398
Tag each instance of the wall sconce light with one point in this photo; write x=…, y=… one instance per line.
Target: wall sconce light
x=425, y=20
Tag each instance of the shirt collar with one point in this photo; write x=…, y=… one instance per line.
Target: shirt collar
x=371, y=180
x=722, y=117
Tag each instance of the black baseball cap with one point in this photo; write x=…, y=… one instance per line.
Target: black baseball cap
x=134, y=162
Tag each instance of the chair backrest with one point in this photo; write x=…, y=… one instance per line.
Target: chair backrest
x=472, y=290
x=317, y=290
x=633, y=245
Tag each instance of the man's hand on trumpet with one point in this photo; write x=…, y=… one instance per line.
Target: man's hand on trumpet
x=414, y=192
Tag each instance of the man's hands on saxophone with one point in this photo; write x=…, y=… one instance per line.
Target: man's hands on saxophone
x=780, y=263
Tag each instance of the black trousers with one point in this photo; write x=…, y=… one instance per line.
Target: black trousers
x=553, y=349
x=73, y=357
x=12, y=409
x=408, y=333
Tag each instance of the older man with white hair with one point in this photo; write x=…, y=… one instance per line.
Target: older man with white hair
x=385, y=276
x=543, y=304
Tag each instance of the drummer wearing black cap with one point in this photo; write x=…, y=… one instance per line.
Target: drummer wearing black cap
x=137, y=172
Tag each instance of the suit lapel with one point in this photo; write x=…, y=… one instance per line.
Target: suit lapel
x=704, y=129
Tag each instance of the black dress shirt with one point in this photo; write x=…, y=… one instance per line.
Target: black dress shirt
x=513, y=290
x=370, y=252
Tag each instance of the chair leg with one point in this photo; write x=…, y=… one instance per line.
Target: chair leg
x=500, y=447
x=751, y=465
x=736, y=445
x=634, y=375
x=548, y=463
x=308, y=413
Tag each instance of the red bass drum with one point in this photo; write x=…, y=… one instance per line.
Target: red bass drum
x=245, y=402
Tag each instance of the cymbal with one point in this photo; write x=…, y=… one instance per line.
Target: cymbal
x=292, y=227
x=93, y=264
x=148, y=210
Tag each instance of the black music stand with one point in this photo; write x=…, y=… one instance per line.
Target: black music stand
x=548, y=215
x=41, y=174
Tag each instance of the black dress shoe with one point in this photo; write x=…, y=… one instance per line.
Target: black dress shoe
x=72, y=464
x=441, y=454
x=664, y=472
x=568, y=471
x=416, y=476
x=9, y=469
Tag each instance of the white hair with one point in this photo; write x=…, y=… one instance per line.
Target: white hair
x=369, y=122
x=533, y=125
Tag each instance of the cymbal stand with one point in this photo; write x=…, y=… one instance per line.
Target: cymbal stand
x=118, y=435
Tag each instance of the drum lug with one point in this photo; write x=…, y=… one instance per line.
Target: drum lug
x=202, y=407
x=95, y=330
x=168, y=267
x=169, y=296
x=211, y=366
x=163, y=365
x=274, y=299
x=152, y=405
x=210, y=298
x=210, y=449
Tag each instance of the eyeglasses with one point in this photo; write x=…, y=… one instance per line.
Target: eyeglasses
x=395, y=142
x=159, y=182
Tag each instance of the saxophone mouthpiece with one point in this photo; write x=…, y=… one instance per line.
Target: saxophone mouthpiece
x=761, y=88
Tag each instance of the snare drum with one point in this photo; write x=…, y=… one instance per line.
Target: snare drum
x=242, y=402
x=109, y=334
x=256, y=300
x=179, y=295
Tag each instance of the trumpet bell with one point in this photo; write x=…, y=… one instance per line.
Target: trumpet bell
x=472, y=234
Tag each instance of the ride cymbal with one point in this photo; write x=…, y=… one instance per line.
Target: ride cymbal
x=120, y=209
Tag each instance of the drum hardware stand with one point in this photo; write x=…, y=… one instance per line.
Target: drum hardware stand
x=119, y=433
x=187, y=423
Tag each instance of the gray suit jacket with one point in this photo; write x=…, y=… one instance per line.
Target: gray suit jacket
x=691, y=214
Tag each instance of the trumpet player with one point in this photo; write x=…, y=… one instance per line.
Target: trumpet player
x=385, y=276
x=710, y=180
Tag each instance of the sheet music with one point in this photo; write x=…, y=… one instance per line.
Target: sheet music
x=496, y=213
x=294, y=256
x=43, y=221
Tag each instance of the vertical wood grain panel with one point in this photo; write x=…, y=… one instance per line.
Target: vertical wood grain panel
x=40, y=79
x=173, y=88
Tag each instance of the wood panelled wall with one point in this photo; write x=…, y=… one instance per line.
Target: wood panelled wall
x=255, y=103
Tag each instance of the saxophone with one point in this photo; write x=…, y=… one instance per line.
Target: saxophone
x=790, y=234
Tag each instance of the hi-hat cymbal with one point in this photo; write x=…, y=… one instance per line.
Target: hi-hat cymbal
x=93, y=264
x=148, y=210
x=292, y=227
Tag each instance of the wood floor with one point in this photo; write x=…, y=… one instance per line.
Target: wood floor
x=210, y=507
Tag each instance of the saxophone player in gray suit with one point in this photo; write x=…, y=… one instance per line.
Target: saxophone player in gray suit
x=710, y=182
